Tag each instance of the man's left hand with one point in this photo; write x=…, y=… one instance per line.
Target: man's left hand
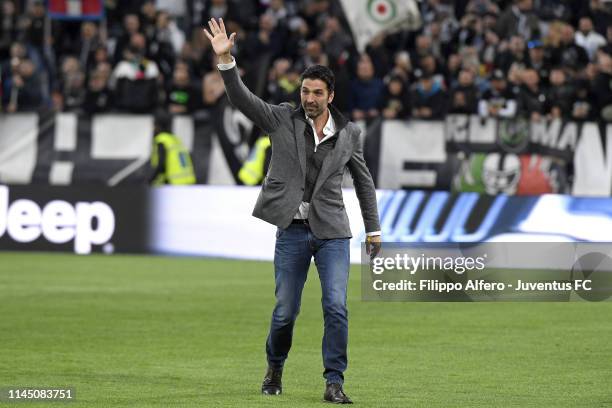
x=373, y=244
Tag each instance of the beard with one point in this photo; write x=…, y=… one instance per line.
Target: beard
x=313, y=110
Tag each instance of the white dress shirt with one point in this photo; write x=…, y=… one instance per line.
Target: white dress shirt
x=328, y=131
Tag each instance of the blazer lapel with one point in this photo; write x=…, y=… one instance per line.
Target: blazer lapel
x=300, y=126
x=333, y=157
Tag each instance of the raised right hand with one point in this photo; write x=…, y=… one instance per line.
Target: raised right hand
x=220, y=42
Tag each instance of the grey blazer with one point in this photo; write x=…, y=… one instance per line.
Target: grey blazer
x=283, y=187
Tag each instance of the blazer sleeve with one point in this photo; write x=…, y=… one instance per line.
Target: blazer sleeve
x=266, y=116
x=364, y=187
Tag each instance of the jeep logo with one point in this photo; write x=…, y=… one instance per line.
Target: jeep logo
x=58, y=222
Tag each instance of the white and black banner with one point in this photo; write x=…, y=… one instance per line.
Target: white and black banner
x=462, y=153
x=469, y=153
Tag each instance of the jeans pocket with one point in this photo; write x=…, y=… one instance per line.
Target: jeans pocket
x=279, y=232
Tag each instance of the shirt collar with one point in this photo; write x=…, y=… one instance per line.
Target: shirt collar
x=329, y=128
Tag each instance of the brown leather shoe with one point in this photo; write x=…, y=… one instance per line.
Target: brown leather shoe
x=272, y=384
x=335, y=394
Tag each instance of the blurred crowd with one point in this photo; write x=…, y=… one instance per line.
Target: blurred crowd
x=531, y=58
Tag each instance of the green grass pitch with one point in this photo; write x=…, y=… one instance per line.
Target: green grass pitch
x=139, y=331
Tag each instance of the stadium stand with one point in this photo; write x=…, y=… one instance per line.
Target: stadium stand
x=527, y=82
x=157, y=58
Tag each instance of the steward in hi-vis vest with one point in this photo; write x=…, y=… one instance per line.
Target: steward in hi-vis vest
x=170, y=159
x=254, y=168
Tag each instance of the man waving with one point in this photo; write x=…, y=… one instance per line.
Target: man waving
x=301, y=194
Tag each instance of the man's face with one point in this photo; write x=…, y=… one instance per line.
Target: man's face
x=499, y=84
x=426, y=83
x=315, y=97
x=557, y=77
x=466, y=78
x=585, y=25
x=131, y=23
x=530, y=78
x=26, y=68
x=517, y=44
x=567, y=34
x=365, y=69
x=536, y=54
x=525, y=5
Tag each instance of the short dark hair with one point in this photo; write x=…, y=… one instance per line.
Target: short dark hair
x=320, y=72
x=162, y=121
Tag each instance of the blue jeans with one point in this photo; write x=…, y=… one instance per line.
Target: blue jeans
x=295, y=247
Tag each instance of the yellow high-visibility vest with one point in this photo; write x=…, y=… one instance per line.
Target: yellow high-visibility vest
x=252, y=171
x=179, y=169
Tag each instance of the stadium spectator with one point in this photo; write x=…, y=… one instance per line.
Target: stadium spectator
x=98, y=97
x=481, y=7
x=69, y=70
x=453, y=66
x=430, y=66
x=467, y=35
x=181, y=96
x=396, y=99
x=165, y=44
x=295, y=36
x=439, y=48
x=602, y=87
x=212, y=89
x=588, y=38
x=17, y=52
x=100, y=56
x=366, y=91
x=422, y=49
x=428, y=98
x=335, y=40
x=176, y=10
x=567, y=53
x=105, y=69
x=554, y=10
x=27, y=91
x=518, y=19
x=267, y=40
x=537, y=59
x=193, y=58
x=470, y=59
x=402, y=66
x=88, y=45
x=514, y=53
x=131, y=26
x=532, y=98
x=313, y=55
x=135, y=80
x=284, y=83
x=601, y=15
x=470, y=32
x=608, y=47
x=220, y=9
x=490, y=17
x=582, y=105
x=560, y=96
x=379, y=55
x=167, y=31
x=464, y=94
x=8, y=27
x=499, y=100
x=488, y=50
x=316, y=13
x=148, y=19
x=281, y=13
x=73, y=91
x=33, y=24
